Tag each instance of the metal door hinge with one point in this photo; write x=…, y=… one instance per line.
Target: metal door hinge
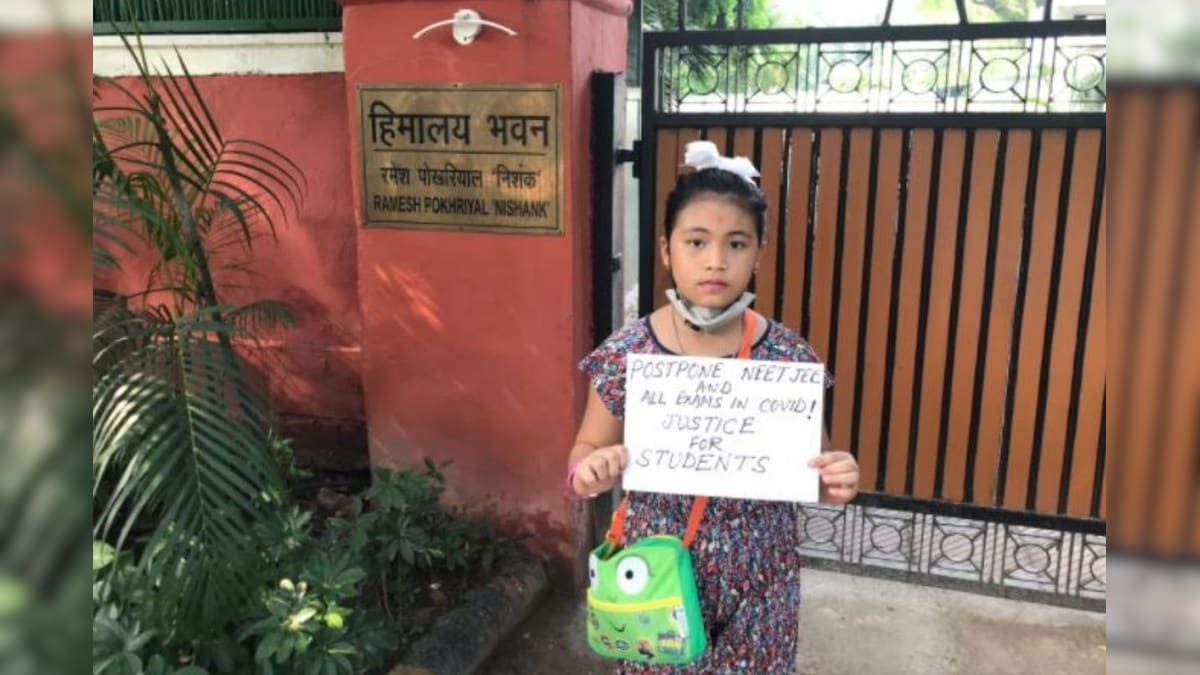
x=632, y=156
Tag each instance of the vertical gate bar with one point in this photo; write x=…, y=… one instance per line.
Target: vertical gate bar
x=1067, y=349
x=885, y=226
x=733, y=65
x=686, y=135
x=815, y=90
x=603, y=92
x=881, y=100
x=757, y=156
x=888, y=444
x=1005, y=292
x=960, y=241
x=781, y=230
x=1065, y=552
x=731, y=134
x=1031, y=79
x=649, y=169
x=867, y=463
x=810, y=227
x=1036, y=302
x=718, y=136
x=672, y=58
x=1077, y=563
x=854, y=235
x=1037, y=64
x=1048, y=334
x=823, y=244
x=972, y=339
x=741, y=143
x=800, y=154
x=954, y=69
x=839, y=242
x=926, y=267
x=985, y=317
x=1081, y=351
x=798, y=106
x=935, y=336
x=667, y=163
x=1087, y=386
x=1031, y=177
x=770, y=157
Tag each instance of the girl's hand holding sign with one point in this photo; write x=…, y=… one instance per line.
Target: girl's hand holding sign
x=598, y=471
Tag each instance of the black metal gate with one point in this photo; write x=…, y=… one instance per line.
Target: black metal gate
x=936, y=204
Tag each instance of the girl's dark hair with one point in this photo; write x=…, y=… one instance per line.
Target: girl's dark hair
x=718, y=182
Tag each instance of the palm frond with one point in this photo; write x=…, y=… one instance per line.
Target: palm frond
x=110, y=236
x=261, y=315
x=181, y=429
x=273, y=157
x=248, y=161
x=200, y=138
x=125, y=133
x=168, y=133
x=203, y=107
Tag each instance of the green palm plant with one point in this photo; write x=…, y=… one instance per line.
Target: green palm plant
x=182, y=466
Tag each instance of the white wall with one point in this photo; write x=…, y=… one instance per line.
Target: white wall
x=233, y=54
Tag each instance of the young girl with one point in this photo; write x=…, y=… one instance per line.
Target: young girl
x=745, y=552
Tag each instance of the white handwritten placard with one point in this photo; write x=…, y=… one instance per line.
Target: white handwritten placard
x=723, y=427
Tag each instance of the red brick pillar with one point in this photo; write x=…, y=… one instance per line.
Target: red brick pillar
x=470, y=337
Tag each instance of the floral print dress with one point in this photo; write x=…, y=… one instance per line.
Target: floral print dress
x=746, y=552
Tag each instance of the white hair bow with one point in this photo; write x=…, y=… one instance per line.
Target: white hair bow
x=703, y=155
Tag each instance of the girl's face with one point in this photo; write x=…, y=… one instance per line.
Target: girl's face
x=713, y=251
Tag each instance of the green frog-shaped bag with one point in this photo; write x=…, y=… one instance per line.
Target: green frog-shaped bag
x=642, y=602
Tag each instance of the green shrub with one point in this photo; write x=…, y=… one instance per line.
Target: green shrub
x=336, y=603
x=407, y=538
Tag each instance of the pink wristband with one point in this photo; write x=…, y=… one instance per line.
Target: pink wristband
x=571, y=482
x=571, y=476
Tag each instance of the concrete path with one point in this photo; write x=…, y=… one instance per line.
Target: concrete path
x=854, y=625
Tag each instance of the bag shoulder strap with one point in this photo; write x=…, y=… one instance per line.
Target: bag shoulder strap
x=616, y=529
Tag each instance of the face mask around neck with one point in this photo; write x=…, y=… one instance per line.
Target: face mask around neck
x=708, y=318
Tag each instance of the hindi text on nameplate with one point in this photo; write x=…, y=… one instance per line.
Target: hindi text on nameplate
x=723, y=427
x=463, y=157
